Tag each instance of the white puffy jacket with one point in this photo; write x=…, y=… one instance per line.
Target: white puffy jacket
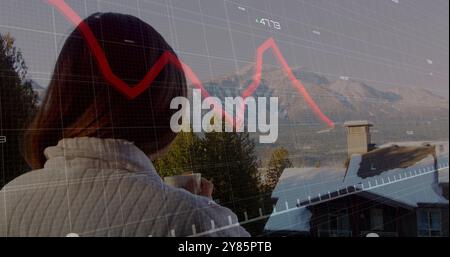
x=105, y=187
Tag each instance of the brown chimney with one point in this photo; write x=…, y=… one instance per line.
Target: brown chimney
x=358, y=137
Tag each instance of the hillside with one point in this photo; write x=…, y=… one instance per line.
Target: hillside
x=340, y=99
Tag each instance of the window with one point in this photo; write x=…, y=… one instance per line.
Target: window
x=376, y=219
x=337, y=225
x=429, y=222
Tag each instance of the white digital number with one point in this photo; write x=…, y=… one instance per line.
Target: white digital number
x=269, y=23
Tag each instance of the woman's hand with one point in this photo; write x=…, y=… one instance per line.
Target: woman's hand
x=205, y=188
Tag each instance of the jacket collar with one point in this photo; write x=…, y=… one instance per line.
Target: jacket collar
x=104, y=153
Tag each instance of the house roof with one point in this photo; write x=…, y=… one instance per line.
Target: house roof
x=405, y=186
x=392, y=157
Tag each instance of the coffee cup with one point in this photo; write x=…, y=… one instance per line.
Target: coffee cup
x=190, y=182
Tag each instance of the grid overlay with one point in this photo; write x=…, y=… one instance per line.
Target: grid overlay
x=384, y=47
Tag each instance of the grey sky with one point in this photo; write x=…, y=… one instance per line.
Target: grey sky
x=384, y=42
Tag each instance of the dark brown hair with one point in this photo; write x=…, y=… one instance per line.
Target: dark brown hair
x=79, y=102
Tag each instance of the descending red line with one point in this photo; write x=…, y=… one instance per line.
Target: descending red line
x=169, y=58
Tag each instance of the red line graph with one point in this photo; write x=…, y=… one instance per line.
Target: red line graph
x=168, y=58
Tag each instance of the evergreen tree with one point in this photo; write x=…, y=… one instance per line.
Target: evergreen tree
x=182, y=156
x=17, y=105
x=279, y=161
x=226, y=159
x=230, y=162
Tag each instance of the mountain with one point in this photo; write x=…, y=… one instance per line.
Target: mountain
x=341, y=100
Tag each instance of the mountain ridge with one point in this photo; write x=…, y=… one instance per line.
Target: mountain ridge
x=342, y=99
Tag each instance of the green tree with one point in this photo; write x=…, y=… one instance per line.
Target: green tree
x=229, y=161
x=17, y=105
x=182, y=156
x=279, y=160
